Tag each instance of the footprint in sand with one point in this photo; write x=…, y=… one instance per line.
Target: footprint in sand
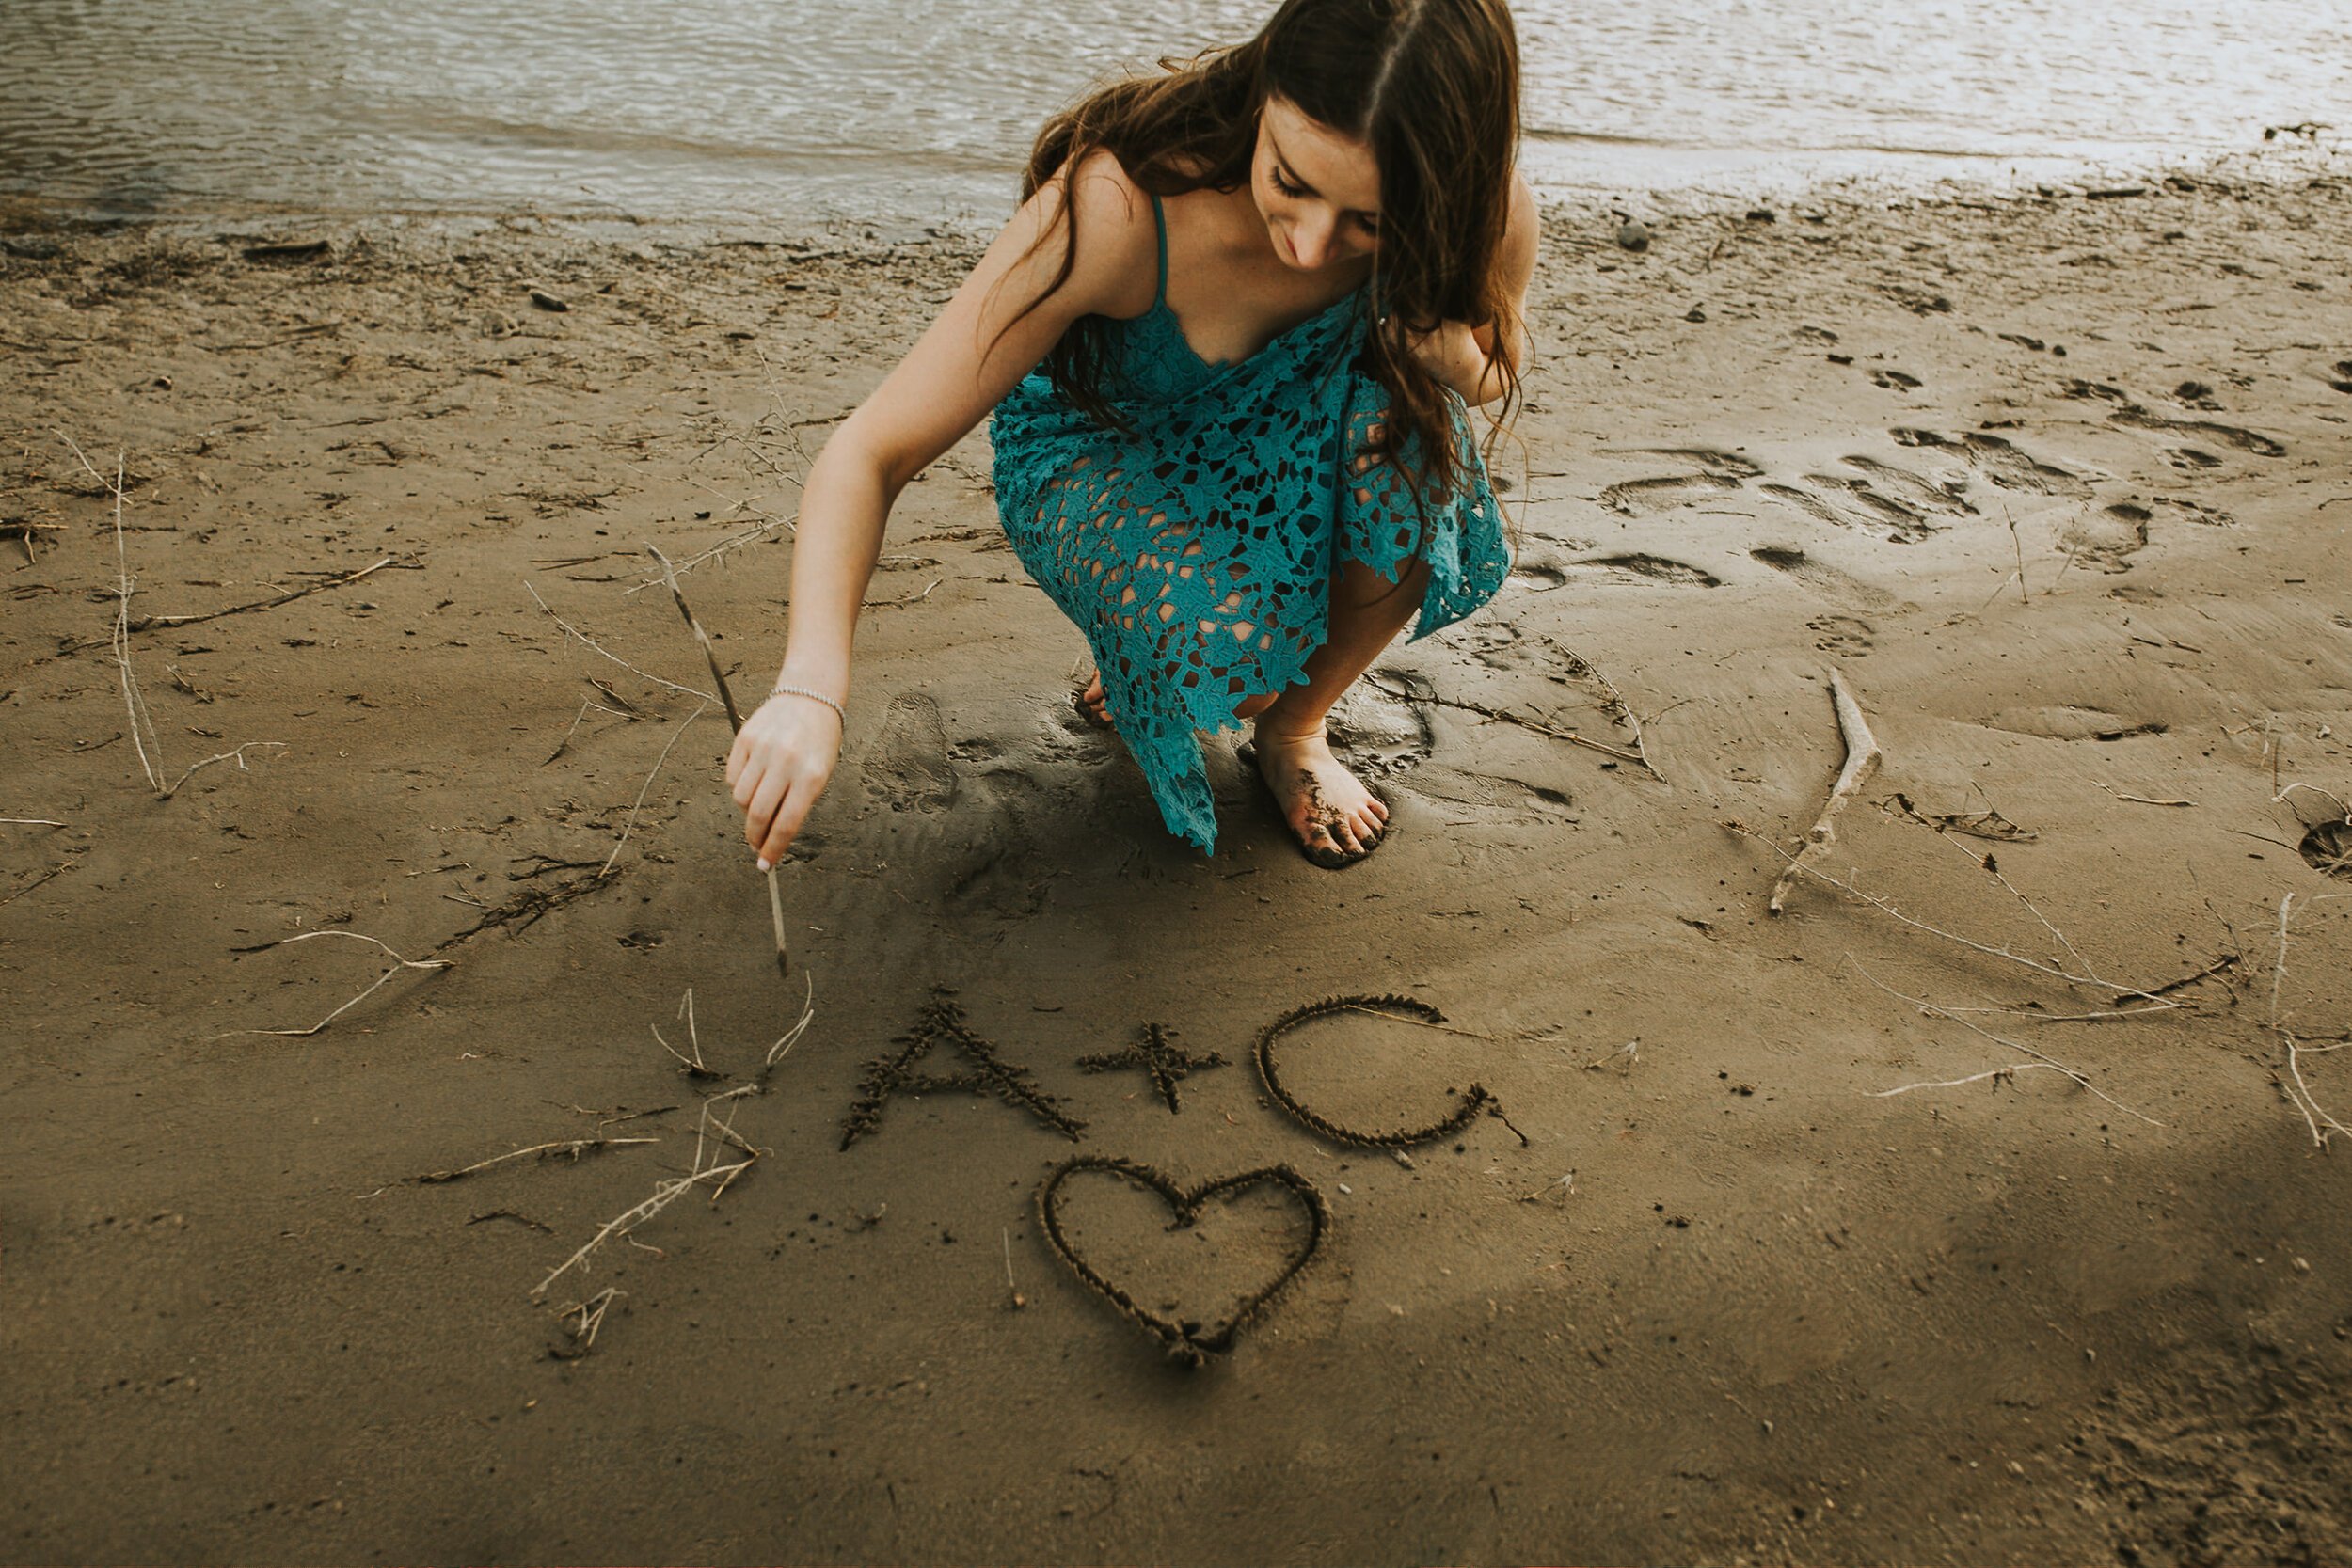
x=1842, y=634
x=2342, y=380
x=2106, y=540
x=1999, y=461
x=1647, y=571
x=2134, y=417
x=1722, y=473
x=1895, y=381
x=1381, y=726
x=1637, y=497
x=1930, y=496
x=1822, y=579
x=2189, y=459
x=908, y=769
x=1853, y=503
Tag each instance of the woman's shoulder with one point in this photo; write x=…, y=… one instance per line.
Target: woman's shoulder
x=1116, y=251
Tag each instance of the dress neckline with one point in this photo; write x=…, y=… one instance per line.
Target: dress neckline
x=1176, y=325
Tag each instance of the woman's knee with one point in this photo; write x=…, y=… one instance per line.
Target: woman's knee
x=1255, y=706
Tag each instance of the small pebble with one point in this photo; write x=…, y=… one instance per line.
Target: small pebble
x=1633, y=237
x=546, y=301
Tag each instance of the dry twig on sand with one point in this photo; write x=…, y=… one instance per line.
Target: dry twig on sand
x=2322, y=1126
x=1883, y=906
x=236, y=757
x=572, y=1147
x=1930, y=1009
x=692, y=1066
x=1862, y=760
x=590, y=1318
x=598, y=649
x=142, y=726
x=399, y=964
x=150, y=622
x=639, y=803
x=665, y=1194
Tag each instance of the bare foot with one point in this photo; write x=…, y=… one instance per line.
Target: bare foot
x=1092, y=705
x=1336, y=820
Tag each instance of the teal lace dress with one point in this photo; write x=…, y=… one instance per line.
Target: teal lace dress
x=1196, y=554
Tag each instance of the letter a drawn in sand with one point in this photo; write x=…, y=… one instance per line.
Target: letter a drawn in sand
x=942, y=1021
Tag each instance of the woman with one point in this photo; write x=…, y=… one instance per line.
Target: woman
x=1228, y=338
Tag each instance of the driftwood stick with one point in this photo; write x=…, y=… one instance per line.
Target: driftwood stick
x=1862, y=760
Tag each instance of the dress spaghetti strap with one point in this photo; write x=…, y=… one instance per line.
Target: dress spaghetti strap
x=1159, y=220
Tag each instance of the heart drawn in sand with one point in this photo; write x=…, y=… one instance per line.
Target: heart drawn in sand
x=1184, y=1340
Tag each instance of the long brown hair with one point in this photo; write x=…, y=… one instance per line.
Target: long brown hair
x=1432, y=87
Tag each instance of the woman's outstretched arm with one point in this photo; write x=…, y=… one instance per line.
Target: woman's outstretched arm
x=967, y=360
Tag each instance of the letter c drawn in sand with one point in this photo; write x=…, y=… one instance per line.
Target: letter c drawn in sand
x=1476, y=1100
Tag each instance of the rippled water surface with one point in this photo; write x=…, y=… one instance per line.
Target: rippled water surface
x=918, y=112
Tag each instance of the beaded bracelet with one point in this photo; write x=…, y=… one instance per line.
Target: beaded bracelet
x=805, y=691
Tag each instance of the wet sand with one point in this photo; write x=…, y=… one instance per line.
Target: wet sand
x=2058, y=483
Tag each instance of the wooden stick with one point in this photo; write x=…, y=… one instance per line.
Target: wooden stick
x=1862, y=760
x=735, y=723
x=710, y=654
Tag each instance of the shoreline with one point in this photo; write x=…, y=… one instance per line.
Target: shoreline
x=1786, y=1269
x=2289, y=163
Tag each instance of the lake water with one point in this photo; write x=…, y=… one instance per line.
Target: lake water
x=804, y=114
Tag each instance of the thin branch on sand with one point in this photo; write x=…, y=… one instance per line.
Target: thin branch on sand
x=791, y=1037
x=571, y=1148
x=1984, y=862
x=1933, y=1010
x=693, y=1065
x=150, y=622
x=638, y=805
x=590, y=1316
x=1613, y=702
x=665, y=1194
x=733, y=542
x=1507, y=717
x=1862, y=760
x=399, y=964
x=2315, y=1116
x=2020, y=960
x=236, y=757
x=51, y=874
x=30, y=822
x=1999, y=1075
x=142, y=727
x=598, y=649
x=2144, y=799
x=735, y=723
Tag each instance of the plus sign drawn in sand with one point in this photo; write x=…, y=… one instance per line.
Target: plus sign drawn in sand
x=944, y=1022
x=1158, y=1055
x=1475, y=1101
x=1185, y=1340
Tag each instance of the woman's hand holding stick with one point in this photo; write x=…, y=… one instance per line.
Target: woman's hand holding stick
x=735, y=721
